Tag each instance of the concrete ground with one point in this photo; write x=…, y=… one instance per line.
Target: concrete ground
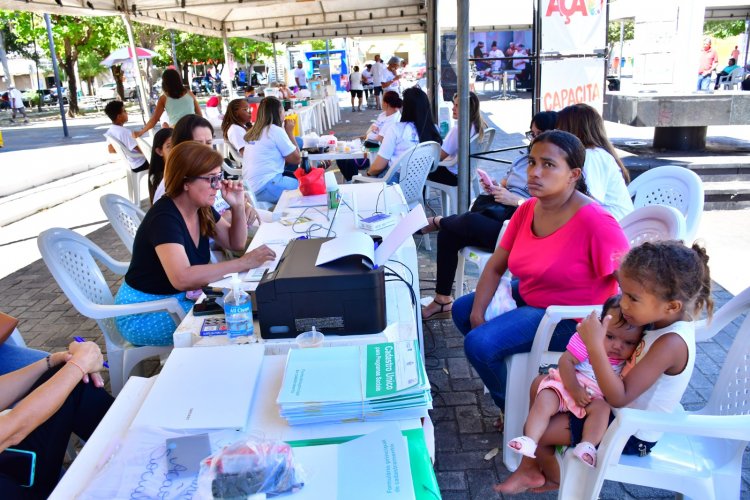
x=463, y=415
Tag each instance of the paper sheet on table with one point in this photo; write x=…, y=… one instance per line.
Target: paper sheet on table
x=361, y=244
x=316, y=200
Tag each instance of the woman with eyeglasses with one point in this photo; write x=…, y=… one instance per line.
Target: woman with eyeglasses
x=171, y=249
x=448, y=173
x=481, y=226
x=270, y=145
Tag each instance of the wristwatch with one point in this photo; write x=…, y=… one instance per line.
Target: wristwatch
x=520, y=201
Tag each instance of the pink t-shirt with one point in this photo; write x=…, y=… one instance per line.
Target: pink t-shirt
x=573, y=265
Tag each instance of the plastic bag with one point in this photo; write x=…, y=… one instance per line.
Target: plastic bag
x=251, y=466
x=312, y=183
x=502, y=301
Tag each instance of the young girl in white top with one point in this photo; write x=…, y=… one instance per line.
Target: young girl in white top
x=573, y=387
x=448, y=173
x=664, y=285
x=235, y=124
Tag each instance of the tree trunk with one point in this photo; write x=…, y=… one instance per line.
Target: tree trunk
x=69, y=62
x=4, y=61
x=117, y=75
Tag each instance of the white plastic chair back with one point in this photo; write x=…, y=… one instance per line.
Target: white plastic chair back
x=72, y=261
x=730, y=81
x=414, y=166
x=124, y=217
x=653, y=223
x=674, y=186
x=214, y=116
x=700, y=454
x=478, y=257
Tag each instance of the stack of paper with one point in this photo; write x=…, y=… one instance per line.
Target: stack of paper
x=364, y=382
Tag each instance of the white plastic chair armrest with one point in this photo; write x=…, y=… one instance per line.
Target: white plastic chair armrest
x=629, y=421
x=364, y=178
x=739, y=304
x=170, y=305
x=552, y=316
x=116, y=266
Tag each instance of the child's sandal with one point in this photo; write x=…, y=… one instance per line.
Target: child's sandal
x=583, y=449
x=526, y=446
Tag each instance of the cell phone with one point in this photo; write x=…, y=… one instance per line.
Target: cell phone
x=212, y=292
x=184, y=454
x=485, y=178
x=19, y=465
x=207, y=307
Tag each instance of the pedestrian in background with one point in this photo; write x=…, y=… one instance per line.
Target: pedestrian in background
x=16, y=104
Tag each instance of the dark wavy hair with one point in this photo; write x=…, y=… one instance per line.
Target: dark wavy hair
x=231, y=116
x=183, y=129
x=171, y=84
x=575, y=153
x=393, y=99
x=156, y=164
x=416, y=110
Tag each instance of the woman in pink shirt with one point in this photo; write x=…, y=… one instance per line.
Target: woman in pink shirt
x=562, y=247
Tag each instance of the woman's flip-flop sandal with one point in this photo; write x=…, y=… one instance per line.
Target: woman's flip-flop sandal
x=443, y=313
x=583, y=449
x=525, y=446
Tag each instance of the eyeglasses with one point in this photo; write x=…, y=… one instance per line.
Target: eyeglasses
x=213, y=180
x=531, y=135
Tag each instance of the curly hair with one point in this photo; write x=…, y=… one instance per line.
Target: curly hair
x=672, y=271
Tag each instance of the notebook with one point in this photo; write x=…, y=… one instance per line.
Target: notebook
x=203, y=388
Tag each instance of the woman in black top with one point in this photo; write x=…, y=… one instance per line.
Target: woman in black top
x=171, y=250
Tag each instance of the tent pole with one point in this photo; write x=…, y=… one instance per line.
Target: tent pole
x=56, y=69
x=433, y=56
x=462, y=42
x=226, y=76
x=275, y=62
x=142, y=96
x=174, y=51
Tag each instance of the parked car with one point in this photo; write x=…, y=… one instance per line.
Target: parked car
x=53, y=95
x=108, y=91
x=197, y=86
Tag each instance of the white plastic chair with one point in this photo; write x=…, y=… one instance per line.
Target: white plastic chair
x=133, y=178
x=123, y=216
x=70, y=258
x=477, y=256
x=213, y=115
x=414, y=165
x=732, y=80
x=449, y=194
x=675, y=186
x=700, y=454
x=653, y=223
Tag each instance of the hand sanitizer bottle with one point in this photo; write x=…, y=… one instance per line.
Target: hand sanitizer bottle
x=238, y=311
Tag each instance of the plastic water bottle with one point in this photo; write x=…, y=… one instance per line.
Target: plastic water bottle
x=238, y=311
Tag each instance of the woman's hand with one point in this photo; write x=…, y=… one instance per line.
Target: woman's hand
x=503, y=196
x=593, y=331
x=233, y=192
x=476, y=319
x=258, y=257
x=137, y=134
x=88, y=357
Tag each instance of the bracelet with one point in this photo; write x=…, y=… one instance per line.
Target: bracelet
x=79, y=367
x=49, y=366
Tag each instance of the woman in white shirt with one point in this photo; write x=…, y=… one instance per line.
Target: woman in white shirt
x=355, y=87
x=268, y=148
x=606, y=176
x=416, y=126
x=235, y=124
x=391, y=115
x=448, y=172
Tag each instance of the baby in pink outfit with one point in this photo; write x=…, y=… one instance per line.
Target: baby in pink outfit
x=573, y=387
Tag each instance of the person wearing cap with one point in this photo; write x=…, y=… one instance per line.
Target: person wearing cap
x=391, y=77
x=16, y=104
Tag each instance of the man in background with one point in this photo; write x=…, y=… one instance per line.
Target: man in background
x=706, y=65
x=300, y=76
x=16, y=104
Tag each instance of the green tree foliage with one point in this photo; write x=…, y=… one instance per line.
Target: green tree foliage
x=724, y=29
x=318, y=44
x=613, y=31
